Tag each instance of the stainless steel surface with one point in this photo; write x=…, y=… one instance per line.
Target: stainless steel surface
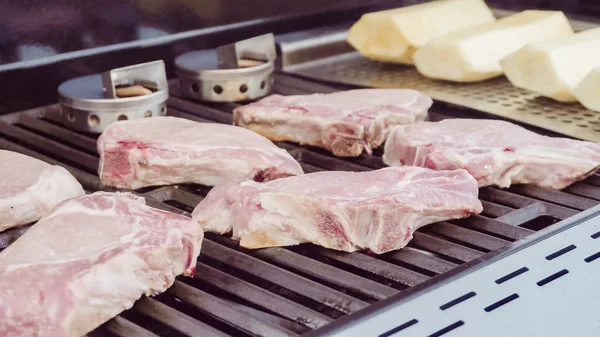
x=329, y=58
x=151, y=75
x=291, y=291
x=224, y=76
x=90, y=103
x=549, y=288
x=258, y=48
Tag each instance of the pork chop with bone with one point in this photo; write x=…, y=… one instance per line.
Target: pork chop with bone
x=348, y=211
x=494, y=152
x=30, y=188
x=169, y=150
x=89, y=259
x=345, y=123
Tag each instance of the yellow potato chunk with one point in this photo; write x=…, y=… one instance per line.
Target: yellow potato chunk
x=587, y=91
x=554, y=67
x=474, y=54
x=394, y=35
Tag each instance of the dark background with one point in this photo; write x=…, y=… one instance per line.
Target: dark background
x=39, y=39
x=33, y=29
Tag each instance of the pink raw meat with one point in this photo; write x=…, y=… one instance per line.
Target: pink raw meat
x=494, y=152
x=89, y=259
x=169, y=150
x=348, y=211
x=30, y=188
x=346, y=123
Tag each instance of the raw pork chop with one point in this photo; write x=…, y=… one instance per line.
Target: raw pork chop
x=346, y=123
x=494, y=152
x=378, y=210
x=169, y=150
x=89, y=259
x=30, y=188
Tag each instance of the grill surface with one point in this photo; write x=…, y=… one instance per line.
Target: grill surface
x=290, y=291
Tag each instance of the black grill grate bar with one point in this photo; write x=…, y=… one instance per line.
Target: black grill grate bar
x=515, y=200
x=416, y=258
x=59, y=133
x=183, y=114
x=555, y=197
x=54, y=148
x=445, y=248
x=284, y=278
x=584, y=190
x=223, y=310
x=175, y=319
x=467, y=236
x=495, y=227
x=123, y=328
x=325, y=273
x=260, y=297
x=378, y=267
x=199, y=110
x=494, y=210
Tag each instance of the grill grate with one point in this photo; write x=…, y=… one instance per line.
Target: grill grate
x=289, y=291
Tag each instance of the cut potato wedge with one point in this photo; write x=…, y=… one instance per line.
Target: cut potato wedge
x=474, y=54
x=394, y=35
x=587, y=91
x=554, y=67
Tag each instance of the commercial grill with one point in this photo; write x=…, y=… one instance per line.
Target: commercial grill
x=530, y=254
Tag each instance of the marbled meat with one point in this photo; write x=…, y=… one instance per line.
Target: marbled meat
x=345, y=123
x=168, y=150
x=89, y=259
x=348, y=211
x=494, y=152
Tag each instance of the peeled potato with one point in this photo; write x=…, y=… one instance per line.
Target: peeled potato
x=554, y=67
x=587, y=91
x=394, y=35
x=474, y=54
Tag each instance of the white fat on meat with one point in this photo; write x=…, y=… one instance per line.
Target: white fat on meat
x=30, y=188
x=348, y=211
x=494, y=152
x=474, y=54
x=89, y=259
x=554, y=67
x=346, y=123
x=169, y=150
x=393, y=35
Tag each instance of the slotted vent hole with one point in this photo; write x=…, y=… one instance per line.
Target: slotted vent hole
x=540, y=222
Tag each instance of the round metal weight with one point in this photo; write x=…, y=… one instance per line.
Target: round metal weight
x=83, y=106
x=201, y=79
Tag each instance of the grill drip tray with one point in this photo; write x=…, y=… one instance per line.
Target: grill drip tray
x=329, y=58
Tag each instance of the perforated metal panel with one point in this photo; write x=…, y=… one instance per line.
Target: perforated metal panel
x=496, y=96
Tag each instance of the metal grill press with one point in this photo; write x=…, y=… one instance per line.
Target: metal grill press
x=290, y=291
